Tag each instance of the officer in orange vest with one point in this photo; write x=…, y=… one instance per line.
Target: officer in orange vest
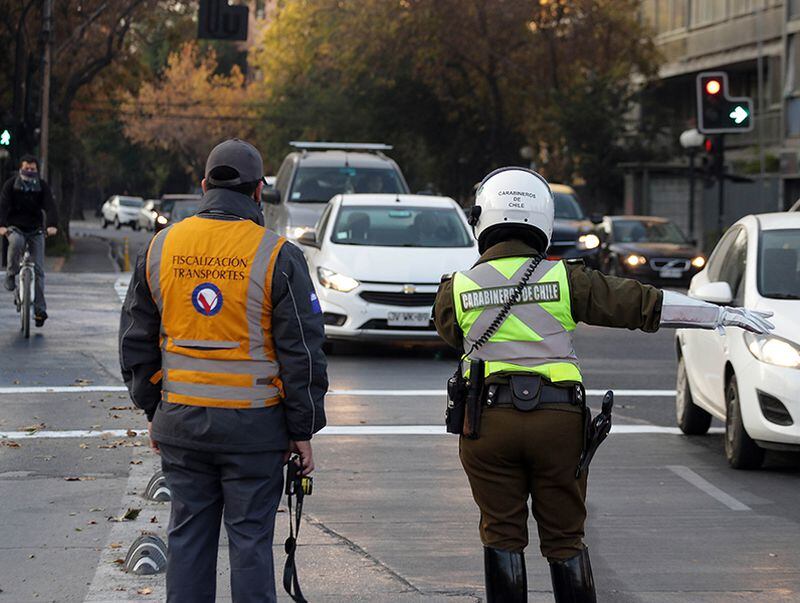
x=221, y=345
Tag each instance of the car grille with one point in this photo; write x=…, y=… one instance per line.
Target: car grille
x=380, y=324
x=670, y=263
x=392, y=298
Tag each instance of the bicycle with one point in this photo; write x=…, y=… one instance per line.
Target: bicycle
x=24, y=293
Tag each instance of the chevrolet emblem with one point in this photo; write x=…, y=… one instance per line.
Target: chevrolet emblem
x=409, y=289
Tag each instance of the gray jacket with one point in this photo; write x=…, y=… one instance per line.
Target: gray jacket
x=298, y=332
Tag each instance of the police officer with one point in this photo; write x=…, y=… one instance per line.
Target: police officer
x=532, y=429
x=221, y=345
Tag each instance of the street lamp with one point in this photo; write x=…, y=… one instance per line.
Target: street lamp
x=691, y=140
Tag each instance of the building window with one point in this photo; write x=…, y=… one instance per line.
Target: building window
x=666, y=16
x=709, y=11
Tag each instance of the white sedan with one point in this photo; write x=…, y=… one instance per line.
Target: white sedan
x=750, y=382
x=377, y=260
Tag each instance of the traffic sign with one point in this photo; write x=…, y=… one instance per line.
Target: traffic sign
x=217, y=20
x=718, y=113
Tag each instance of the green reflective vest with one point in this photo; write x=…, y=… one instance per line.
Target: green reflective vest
x=536, y=336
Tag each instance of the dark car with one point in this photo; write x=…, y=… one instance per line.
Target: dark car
x=174, y=208
x=573, y=233
x=649, y=249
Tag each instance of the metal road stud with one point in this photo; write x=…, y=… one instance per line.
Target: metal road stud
x=147, y=556
x=157, y=488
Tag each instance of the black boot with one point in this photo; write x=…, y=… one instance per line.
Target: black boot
x=506, y=579
x=572, y=579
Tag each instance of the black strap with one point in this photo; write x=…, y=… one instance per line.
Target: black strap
x=291, y=583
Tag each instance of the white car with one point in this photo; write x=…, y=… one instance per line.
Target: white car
x=149, y=214
x=122, y=210
x=750, y=382
x=376, y=261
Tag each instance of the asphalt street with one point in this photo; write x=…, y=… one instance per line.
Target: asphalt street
x=391, y=518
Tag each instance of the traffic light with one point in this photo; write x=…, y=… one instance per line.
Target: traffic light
x=6, y=138
x=714, y=155
x=718, y=113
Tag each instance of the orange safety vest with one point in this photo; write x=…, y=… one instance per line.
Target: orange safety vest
x=211, y=280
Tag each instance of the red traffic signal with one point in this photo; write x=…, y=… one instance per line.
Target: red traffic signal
x=708, y=145
x=713, y=87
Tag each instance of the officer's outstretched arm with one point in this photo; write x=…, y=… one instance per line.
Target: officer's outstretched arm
x=678, y=310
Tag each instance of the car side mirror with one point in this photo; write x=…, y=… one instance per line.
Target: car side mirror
x=309, y=239
x=596, y=218
x=272, y=196
x=718, y=292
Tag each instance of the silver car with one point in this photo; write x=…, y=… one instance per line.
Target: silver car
x=316, y=172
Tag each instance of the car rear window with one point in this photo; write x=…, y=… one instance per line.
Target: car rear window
x=184, y=209
x=129, y=202
x=391, y=226
x=779, y=264
x=320, y=184
x=645, y=231
x=567, y=207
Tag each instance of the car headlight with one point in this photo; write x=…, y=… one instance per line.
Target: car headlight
x=336, y=281
x=162, y=220
x=773, y=350
x=635, y=260
x=699, y=261
x=588, y=241
x=295, y=232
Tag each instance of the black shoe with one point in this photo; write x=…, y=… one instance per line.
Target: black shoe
x=572, y=579
x=10, y=282
x=40, y=318
x=506, y=578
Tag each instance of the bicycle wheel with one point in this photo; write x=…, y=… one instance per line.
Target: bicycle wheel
x=26, y=285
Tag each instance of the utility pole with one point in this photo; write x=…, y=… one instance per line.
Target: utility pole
x=44, y=136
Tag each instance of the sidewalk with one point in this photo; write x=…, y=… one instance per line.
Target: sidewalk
x=89, y=254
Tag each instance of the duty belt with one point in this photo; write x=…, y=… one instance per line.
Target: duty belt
x=500, y=395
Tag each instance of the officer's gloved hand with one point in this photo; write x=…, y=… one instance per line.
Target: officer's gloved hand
x=749, y=320
x=681, y=311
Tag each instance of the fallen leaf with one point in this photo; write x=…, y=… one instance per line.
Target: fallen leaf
x=119, y=561
x=122, y=408
x=96, y=509
x=16, y=381
x=115, y=545
x=91, y=523
x=136, y=462
x=82, y=478
x=129, y=515
x=130, y=433
x=9, y=443
x=31, y=556
x=81, y=381
x=83, y=445
x=145, y=590
x=33, y=428
x=154, y=519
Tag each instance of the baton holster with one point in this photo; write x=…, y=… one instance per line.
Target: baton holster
x=595, y=431
x=474, y=401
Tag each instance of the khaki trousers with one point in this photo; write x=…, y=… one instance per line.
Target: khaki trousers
x=522, y=455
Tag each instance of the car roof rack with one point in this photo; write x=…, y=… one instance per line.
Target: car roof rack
x=340, y=146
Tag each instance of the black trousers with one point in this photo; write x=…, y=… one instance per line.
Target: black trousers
x=244, y=489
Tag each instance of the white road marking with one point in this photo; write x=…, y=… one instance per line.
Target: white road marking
x=709, y=488
x=65, y=389
x=330, y=430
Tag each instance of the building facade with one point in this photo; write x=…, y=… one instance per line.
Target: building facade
x=757, y=43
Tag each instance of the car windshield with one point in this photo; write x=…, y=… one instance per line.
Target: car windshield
x=567, y=207
x=130, y=202
x=183, y=209
x=779, y=264
x=646, y=231
x=391, y=226
x=320, y=184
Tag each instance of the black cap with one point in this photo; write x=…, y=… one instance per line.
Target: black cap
x=237, y=155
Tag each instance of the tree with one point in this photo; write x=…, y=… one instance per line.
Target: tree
x=190, y=108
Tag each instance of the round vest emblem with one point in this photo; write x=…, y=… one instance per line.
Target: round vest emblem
x=207, y=299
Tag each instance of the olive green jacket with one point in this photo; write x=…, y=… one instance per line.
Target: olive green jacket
x=595, y=298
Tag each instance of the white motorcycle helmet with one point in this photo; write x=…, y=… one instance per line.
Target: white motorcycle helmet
x=514, y=197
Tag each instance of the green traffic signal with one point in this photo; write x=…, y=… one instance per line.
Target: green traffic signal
x=5, y=138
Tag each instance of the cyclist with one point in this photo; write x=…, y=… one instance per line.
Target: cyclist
x=22, y=200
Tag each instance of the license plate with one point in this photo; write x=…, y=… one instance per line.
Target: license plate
x=408, y=319
x=670, y=273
